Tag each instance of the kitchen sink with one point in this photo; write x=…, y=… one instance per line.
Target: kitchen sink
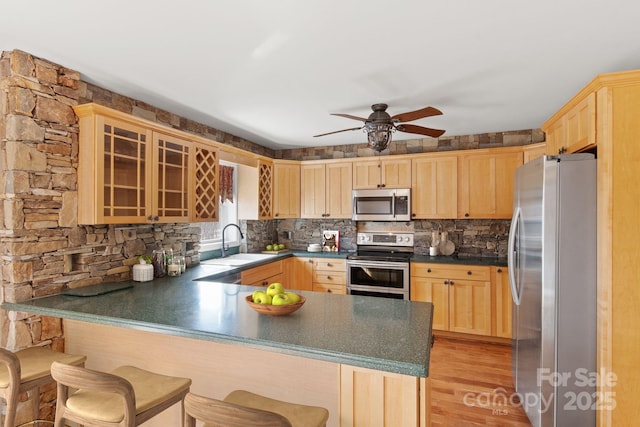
x=238, y=259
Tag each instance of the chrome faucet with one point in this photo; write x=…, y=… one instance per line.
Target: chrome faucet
x=222, y=248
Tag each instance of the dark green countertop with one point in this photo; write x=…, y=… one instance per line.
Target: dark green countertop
x=463, y=260
x=376, y=333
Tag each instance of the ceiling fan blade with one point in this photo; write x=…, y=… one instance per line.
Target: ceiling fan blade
x=421, y=130
x=349, y=116
x=418, y=114
x=337, y=131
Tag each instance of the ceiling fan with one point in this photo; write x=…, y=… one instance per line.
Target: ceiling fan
x=380, y=125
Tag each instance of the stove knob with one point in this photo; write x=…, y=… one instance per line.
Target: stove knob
x=406, y=239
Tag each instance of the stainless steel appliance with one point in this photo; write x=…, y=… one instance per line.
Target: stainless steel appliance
x=384, y=204
x=380, y=267
x=552, y=269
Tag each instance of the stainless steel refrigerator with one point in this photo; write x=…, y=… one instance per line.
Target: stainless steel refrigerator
x=552, y=269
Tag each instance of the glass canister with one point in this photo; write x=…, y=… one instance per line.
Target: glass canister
x=159, y=263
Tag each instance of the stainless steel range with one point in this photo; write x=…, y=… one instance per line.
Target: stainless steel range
x=380, y=267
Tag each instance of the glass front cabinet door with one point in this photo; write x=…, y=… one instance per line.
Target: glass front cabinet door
x=129, y=173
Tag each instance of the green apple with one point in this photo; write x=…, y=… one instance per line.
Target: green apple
x=280, y=299
x=275, y=289
x=269, y=247
x=255, y=294
x=261, y=297
x=293, y=297
x=281, y=246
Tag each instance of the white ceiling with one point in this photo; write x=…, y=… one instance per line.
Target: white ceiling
x=272, y=71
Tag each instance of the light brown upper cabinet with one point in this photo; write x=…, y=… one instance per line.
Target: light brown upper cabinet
x=572, y=130
x=389, y=172
x=129, y=173
x=434, y=186
x=533, y=151
x=326, y=189
x=286, y=189
x=171, y=160
x=485, y=182
x=206, y=182
x=265, y=189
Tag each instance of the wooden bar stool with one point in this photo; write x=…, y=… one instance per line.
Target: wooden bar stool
x=125, y=397
x=242, y=408
x=26, y=370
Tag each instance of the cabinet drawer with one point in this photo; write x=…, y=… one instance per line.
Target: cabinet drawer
x=450, y=271
x=330, y=288
x=330, y=277
x=261, y=273
x=266, y=281
x=330, y=264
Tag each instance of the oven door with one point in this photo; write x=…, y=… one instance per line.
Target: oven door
x=378, y=277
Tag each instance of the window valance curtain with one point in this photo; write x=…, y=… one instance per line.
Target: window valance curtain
x=226, y=184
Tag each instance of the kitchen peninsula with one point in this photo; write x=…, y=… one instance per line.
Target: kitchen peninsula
x=365, y=359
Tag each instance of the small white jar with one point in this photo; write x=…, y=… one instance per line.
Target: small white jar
x=142, y=272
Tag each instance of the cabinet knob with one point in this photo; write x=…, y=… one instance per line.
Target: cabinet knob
x=310, y=261
x=446, y=282
x=413, y=215
x=469, y=273
x=329, y=290
x=451, y=282
x=428, y=270
x=276, y=215
x=329, y=264
x=499, y=270
x=329, y=278
x=466, y=215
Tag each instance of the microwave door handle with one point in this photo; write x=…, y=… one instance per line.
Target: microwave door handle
x=393, y=204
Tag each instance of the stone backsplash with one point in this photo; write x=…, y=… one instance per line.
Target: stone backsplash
x=471, y=237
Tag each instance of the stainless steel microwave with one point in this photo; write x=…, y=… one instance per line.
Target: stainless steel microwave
x=385, y=204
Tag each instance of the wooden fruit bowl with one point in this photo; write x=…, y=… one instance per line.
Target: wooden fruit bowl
x=275, y=310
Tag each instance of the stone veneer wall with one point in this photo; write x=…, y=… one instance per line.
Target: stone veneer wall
x=418, y=145
x=42, y=248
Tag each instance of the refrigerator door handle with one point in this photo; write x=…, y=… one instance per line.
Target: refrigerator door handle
x=511, y=262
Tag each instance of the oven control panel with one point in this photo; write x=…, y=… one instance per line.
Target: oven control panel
x=385, y=239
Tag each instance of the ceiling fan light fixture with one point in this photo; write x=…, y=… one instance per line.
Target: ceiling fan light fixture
x=379, y=135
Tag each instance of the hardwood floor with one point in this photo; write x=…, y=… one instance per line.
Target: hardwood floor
x=471, y=385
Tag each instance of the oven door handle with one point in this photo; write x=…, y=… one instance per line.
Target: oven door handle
x=379, y=264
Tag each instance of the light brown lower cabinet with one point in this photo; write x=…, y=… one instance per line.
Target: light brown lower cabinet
x=461, y=296
x=329, y=275
x=503, y=302
x=301, y=274
x=263, y=275
x=379, y=399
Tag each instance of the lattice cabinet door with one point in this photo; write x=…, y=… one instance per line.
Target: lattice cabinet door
x=265, y=190
x=205, y=173
x=171, y=178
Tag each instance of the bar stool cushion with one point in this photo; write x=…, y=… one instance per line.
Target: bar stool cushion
x=35, y=362
x=298, y=415
x=150, y=390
